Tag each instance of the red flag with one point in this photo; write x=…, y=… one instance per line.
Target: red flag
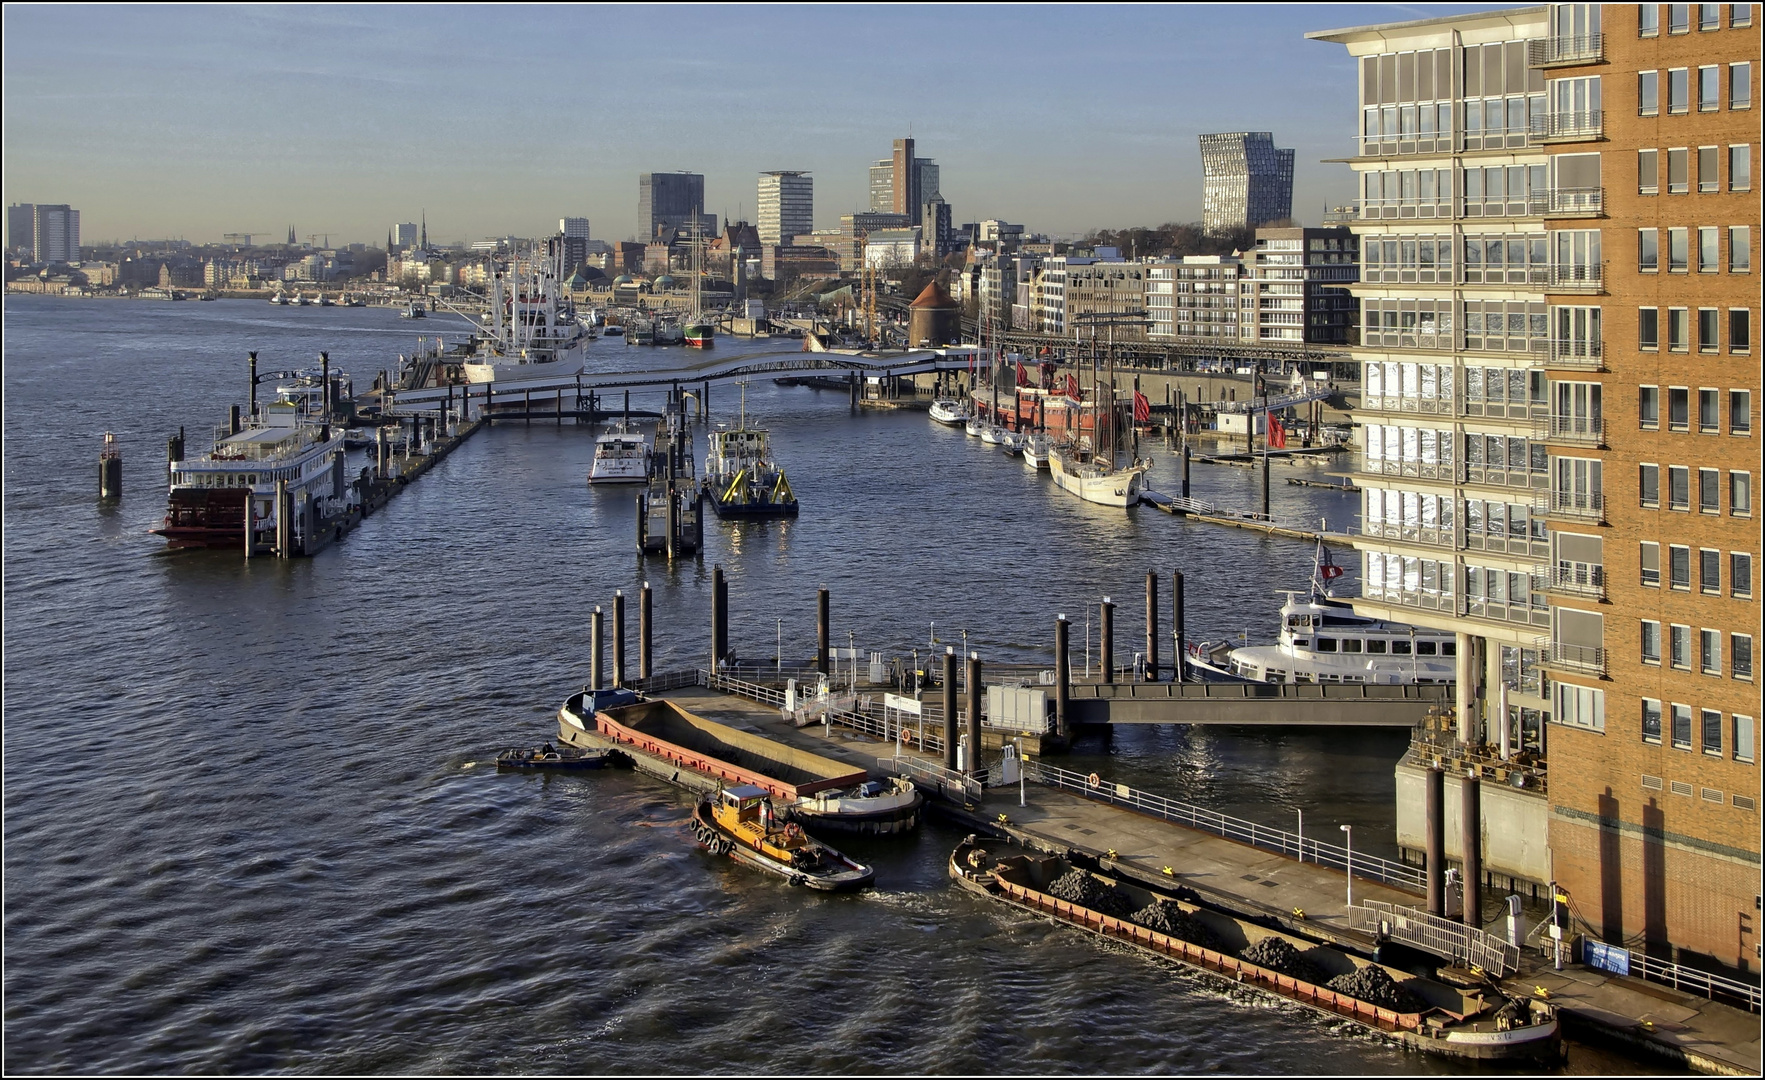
x=1022, y=379
x=1277, y=434
x=1142, y=408
x=1072, y=387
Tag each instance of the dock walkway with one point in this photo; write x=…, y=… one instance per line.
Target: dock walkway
x=1697, y=1033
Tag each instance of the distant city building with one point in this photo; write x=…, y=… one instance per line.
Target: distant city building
x=1195, y=298
x=934, y=217
x=236, y=239
x=669, y=201
x=404, y=236
x=46, y=234
x=1298, y=285
x=891, y=248
x=573, y=228
x=854, y=228
x=1246, y=181
x=787, y=205
x=887, y=197
x=1002, y=236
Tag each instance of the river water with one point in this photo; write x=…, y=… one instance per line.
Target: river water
x=251, y=822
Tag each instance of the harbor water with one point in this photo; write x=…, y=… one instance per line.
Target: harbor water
x=252, y=822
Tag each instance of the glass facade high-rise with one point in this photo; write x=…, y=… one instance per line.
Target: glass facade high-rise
x=1247, y=181
x=48, y=234
x=667, y=201
x=786, y=206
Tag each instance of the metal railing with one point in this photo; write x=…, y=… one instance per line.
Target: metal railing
x=1580, y=504
x=1370, y=867
x=1431, y=933
x=1590, y=659
x=1568, y=49
x=1576, y=579
x=1579, y=124
x=1435, y=742
x=1586, y=430
x=1579, y=354
x=1681, y=977
x=947, y=782
x=1578, y=201
x=1580, y=277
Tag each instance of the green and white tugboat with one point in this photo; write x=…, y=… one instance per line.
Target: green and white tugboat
x=741, y=478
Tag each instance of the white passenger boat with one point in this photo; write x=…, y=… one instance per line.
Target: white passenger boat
x=949, y=413
x=533, y=334
x=621, y=456
x=1323, y=640
x=1036, y=450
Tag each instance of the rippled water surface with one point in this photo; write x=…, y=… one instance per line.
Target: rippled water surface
x=251, y=822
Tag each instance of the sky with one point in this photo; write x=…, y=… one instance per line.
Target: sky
x=192, y=122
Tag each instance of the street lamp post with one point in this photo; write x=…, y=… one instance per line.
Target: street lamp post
x=1348, y=834
x=778, y=655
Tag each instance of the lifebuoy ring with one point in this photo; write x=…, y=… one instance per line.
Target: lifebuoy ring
x=1094, y=780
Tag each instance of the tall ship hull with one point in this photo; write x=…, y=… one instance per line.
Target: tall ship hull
x=699, y=334
x=1093, y=482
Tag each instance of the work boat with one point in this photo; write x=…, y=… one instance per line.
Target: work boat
x=740, y=476
x=533, y=333
x=1323, y=640
x=621, y=456
x=949, y=413
x=741, y=823
x=227, y=498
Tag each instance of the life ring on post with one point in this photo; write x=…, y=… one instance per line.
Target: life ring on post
x=1094, y=780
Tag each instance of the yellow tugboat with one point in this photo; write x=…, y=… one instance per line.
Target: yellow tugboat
x=741, y=823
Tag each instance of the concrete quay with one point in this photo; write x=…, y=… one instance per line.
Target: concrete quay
x=1304, y=897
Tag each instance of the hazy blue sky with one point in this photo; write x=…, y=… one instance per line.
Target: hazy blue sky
x=195, y=121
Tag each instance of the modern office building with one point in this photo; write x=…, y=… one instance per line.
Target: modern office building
x=887, y=197
x=44, y=234
x=668, y=201
x=404, y=236
x=1556, y=307
x=1297, y=286
x=1246, y=181
x=786, y=206
x=574, y=228
x=1197, y=298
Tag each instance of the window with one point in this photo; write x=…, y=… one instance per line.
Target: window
x=1651, y=721
x=1710, y=570
x=1649, y=20
x=1681, y=726
x=1678, y=90
x=1740, y=412
x=1710, y=651
x=1579, y=706
x=1740, y=656
x=1678, y=250
x=1708, y=481
x=1740, y=168
x=1679, y=567
x=1709, y=255
x=1709, y=16
x=1648, y=329
x=1740, y=249
x=1707, y=411
x=1709, y=169
x=1708, y=342
x=1740, y=86
x=1709, y=88
x=1651, y=573
x=1740, y=494
x=1649, y=485
x=1678, y=487
x=1712, y=733
x=1679, y=18
x=1678, y=408
x=1651, y=641
x=1648, y=93
x=1648, y=171
x=1740, y=330
x=1742, y=727
x=1678, y=170
x=1648, y=250
x=1678, y=320
x=1740, y=575
x=1648, y=406
x=1738, y=15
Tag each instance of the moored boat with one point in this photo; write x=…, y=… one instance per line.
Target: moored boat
x=740, y=822
x=875, y=806
x=948, y=412
x=566, y=758
x=740, y=476
x=621, y=456
x=1035, y=452
x=1095, y=481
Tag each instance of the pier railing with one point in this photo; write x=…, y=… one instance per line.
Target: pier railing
x=1692, y=980
x=1304, y=848
x=1431, y=933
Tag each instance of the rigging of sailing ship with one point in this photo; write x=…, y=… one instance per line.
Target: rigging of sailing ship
x=698, y=328
x=1086, y=464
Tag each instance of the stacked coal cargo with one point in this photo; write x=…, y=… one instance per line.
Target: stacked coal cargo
x=1166, y=917
x=1078, y=887
x=1278, y=954
x=1375, y=987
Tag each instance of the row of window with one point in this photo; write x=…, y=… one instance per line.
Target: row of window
x=1740, y=89
x=1680, y=560
x=1710, y=171
x=1679, y=17
x=1708, y=729
x=1740, y=250
x=1740, y=409
x=1740, y=490
x=1740, y=330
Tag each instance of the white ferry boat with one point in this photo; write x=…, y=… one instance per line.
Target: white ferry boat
x=949, y=413
x=216, y=499
x=1323, y=640
x=621, y=456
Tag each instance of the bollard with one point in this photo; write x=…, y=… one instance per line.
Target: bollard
x=594, y=649
x=716, y=615
x=110, y=468
x=723, y=617
x=821, y=630
x=1435, y=810
x=949, y=706
x=1471, y=823
x=618, y=639
x=643, y=632
x=1106, y=640
x=1062, y=674
x=974, y=713
x=1151, y=626
x=251, y=358
x=284, y=524
x=1185, y=468
x=1181, y=661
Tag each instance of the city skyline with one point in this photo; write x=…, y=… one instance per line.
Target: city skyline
x=166, y=122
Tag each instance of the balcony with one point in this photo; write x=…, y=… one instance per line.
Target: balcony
x=1579, y=430
x=1409, y=337
x=1399, y=209
x=1512, y=206
x=1576, y=355
x=1588, y=506
x=1576, y=579
x=1585, y=659
x=1576, y=202
x=1578, y=277
x=1427, y=142
x=1569, y=126
x=1562, y=51
x=1424, y=535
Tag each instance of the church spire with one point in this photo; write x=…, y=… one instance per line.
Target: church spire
x=290, y=236
x=425, y=240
